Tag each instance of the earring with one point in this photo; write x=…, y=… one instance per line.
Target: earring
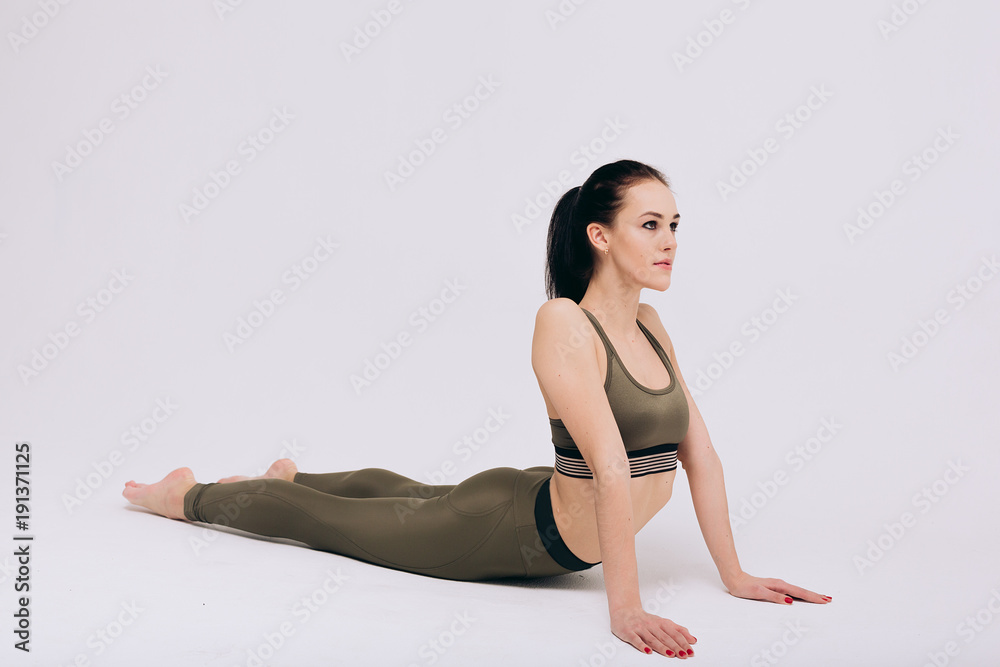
x=605, y=250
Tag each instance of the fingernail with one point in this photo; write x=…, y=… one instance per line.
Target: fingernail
x=788, y=599
x=649, y=650
x=681, y=652
x=827, y=598
x=670, y=653
x=690, y=652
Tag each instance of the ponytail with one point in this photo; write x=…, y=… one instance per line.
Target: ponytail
x=569, y=254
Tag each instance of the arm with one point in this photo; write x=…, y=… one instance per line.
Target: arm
x=616, y=533
x=564, y=358
x=703, y=467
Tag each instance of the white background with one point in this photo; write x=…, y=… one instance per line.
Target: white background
x=288, y=388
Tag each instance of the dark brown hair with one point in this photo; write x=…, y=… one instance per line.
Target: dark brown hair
x=569, y=258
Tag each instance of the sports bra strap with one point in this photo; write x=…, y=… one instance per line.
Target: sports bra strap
x=607, y=342
x=600, y=330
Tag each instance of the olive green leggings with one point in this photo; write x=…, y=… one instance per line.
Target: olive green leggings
x=495, y=524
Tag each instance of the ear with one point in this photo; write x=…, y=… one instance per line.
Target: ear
x=597, y=235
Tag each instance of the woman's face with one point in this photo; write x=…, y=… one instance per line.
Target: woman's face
x=643, y=235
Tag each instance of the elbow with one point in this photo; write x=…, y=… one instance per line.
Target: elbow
x=695, y=463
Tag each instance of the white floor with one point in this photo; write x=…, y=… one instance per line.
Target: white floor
x=165, y=592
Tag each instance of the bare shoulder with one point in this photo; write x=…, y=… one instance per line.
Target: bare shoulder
x=564, y=358
x=651, y=320
x=559, y=315
x=561, y=327
x=557, y=309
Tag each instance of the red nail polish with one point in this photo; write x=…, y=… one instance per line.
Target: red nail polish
x=788, y=599
x=682, y=652
x=649, y=650
x=690, y=652
x=670, y=653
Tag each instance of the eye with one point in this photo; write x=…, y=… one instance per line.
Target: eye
x=673, y=225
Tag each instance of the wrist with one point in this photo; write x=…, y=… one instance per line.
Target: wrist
x=730, y=577
x=624, y=606
x=624, y=612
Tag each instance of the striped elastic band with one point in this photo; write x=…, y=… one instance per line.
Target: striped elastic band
x=658, y=458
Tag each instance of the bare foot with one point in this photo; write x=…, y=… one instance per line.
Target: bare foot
x=166, y=497
x=281, y=469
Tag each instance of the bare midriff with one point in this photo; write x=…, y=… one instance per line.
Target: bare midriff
x=576, y=513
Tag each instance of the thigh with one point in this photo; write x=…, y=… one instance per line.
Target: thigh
x=484, y=491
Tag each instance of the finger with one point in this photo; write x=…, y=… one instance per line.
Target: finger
x=674, y=641
x=801, y=593
x=661, y=644
x=680, y=635
x=633, y=639
x=688, y=637
x=778, y=597
x=683, y=646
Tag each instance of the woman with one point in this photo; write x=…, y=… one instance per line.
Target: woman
x=617, y=441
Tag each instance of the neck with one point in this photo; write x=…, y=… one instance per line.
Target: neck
x=616, y=310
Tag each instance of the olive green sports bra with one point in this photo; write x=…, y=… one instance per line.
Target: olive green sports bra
x=652, y=422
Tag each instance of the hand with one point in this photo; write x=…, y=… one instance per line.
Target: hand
x=771, y=590
x=648, y=633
